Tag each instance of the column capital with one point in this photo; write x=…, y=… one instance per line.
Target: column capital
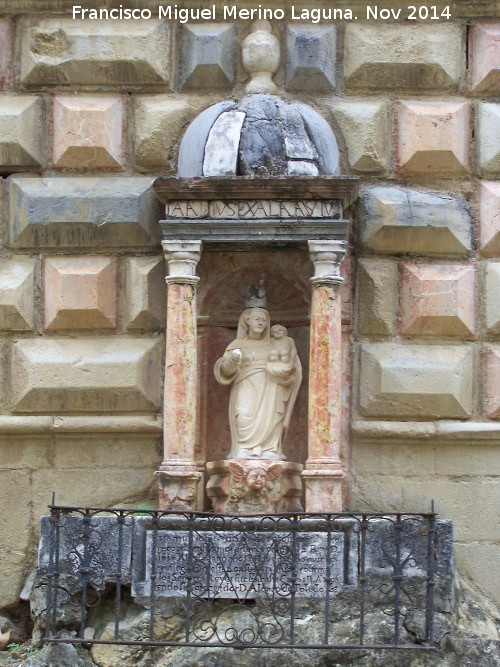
x=182, y=258
x=326, y=257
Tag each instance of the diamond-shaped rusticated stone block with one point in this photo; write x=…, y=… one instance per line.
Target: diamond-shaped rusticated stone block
x=489, y=218
x=492, y=297
x=61, y=51
x=21, y=133
x=492, y=385
x=415, y=381
x=365, y=127
x=399, y=56
x=5, y=51
x=159, y=121
x=83, y=212
x=145, y=293
x=88, y=132
x=311, y=53
x=488, y=138
x=17, y=277
x=438, y=300
x=377, y=296
x=434, y=138
x=80, y=293
x=395, y=220
x=484, y=58
x=91, y=375
x=208, y=56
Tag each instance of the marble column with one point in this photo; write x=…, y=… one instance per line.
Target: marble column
x=323, y=474
x=180, y=478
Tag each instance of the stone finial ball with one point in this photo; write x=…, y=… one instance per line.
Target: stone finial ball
x=261, y=49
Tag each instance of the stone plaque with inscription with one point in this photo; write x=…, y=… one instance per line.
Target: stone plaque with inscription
x=255, y=209
x=230, y=564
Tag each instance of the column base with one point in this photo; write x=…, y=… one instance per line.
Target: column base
x=180, y=486
x=254, y=486
x=323, y=479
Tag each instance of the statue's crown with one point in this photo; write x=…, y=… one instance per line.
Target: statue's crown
x=256, y=295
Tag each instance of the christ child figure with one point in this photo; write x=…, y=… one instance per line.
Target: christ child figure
x=283, y=347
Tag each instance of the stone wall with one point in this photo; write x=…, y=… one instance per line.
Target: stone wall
x=91, y=112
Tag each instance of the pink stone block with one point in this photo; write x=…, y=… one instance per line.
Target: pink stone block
x=492, y=384
x=485, y=58
x=489, y=217
x=345, y=289
x=323, y=491
x=433, y=138
x=5, y=51
x=80, y=293
x=438, y=300
x=88, y=132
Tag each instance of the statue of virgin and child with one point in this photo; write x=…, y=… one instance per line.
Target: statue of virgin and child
x=264, y=371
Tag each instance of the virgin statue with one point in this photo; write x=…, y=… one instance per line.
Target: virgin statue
x=265, y=372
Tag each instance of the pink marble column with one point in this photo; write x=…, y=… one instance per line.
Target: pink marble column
x=180, y=478
x=323, y=474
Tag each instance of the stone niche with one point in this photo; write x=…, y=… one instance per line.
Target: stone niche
x=220, y=236
x=224, y=277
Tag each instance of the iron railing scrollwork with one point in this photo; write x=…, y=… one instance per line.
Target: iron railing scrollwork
x=281, y=581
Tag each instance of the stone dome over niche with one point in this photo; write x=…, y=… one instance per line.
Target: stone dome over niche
x=259, y=136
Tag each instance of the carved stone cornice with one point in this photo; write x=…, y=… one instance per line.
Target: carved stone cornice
x=343, y=188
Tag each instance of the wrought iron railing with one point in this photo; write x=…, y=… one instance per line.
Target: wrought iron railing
x=344, y=580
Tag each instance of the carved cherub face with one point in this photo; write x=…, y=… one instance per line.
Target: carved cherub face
x=278, y=331
x=255, y=474
x=256, y=479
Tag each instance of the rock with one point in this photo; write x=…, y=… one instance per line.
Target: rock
x=60, y=655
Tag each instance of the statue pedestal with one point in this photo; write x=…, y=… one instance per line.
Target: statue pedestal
x=254, y=486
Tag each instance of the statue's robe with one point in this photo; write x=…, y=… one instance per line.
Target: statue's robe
x=261, y=405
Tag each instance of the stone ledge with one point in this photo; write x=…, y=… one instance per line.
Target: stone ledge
x=233, y=188
x=91, y=424
x=254, y=234
x=438, y=431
